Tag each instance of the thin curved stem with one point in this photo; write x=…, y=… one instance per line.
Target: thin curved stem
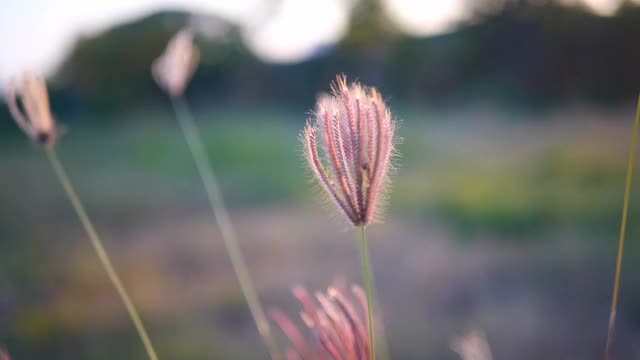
x=100, y=250
x=366, y=273
x=220, y=213
x=382, y=342
x=623, y=228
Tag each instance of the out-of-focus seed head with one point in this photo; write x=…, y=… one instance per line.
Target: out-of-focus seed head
x=473, y=346
x=335, y=329
x=175, y=67
x=349, y=145
x=28, y=103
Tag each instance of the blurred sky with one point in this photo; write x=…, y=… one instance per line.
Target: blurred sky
x=36, y=34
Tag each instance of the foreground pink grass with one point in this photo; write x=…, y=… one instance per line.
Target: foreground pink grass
x=38, y=123
x=172, y=71
x=349, y=146
x=336, y=329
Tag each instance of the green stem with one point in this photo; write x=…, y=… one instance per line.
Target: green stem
x=214, y=195
x=366, y=272
x=382, y=343
x=623, y=227
x=100, y=250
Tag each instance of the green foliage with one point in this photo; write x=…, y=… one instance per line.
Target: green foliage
x=524, y=54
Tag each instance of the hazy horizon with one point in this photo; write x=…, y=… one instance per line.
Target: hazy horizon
x=315, y=24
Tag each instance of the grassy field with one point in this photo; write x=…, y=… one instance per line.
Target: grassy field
x=498, y=220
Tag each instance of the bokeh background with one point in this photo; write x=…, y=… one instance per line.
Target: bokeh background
x=504, y=214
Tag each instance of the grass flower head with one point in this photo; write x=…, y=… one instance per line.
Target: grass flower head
x=175, y=67
x=336, y=330
x=34, y=116
x=349, y=143
x=473, y=346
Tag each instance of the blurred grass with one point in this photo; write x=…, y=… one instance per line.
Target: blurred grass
x=516, y=180
x=523, y=179
x=478, y=176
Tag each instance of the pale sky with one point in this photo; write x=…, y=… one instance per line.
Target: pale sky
x=37, y=34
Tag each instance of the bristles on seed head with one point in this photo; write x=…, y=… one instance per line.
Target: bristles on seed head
x=335, y=328
x=349, y=145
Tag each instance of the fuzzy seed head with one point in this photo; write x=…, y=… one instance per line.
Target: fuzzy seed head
x=334, y=323
x=349, y=145
x=28, y=102
x=473, y=346
x=175, y=67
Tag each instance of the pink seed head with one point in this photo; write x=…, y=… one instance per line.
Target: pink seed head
x=473, y=346
x=175, y=67
x=335, y=329
x=28, y=103
x=349, y=143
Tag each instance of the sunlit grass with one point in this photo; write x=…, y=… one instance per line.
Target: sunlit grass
x=564, y=181
x=472, y=181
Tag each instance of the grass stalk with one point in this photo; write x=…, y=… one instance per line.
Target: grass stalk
x=368, y=285
x=196, y=146
x=62, y=176
x=382, y=342
x=623, y=228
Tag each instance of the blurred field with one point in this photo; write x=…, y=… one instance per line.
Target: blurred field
x=500, y=220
